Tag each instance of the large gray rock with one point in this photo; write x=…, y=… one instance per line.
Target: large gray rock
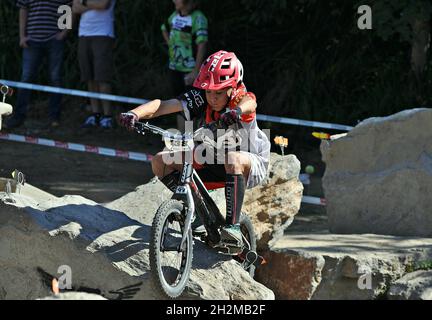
x=412, y=286
x=273, y=205
x=322, y=266
x=106, y=251
x=378, y=177
x=142, y=203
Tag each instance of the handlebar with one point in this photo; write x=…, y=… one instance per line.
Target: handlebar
x=141, y=127
x=182, y=141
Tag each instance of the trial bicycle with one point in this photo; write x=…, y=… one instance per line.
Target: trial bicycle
x=171, y=242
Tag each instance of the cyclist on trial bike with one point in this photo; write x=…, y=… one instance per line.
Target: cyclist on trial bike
x=220, y=95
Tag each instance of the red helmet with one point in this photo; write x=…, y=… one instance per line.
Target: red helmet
x=221, y=70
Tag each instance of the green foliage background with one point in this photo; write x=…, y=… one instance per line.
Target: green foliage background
x=303, y=58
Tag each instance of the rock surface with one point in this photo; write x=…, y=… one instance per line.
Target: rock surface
x=378, y=177
x=315, y=264
x=40, y=232
x=273, y=205
x=106, y=250
x=142, y=204
x=412, y=286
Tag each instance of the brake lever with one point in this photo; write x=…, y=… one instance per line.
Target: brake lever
x=139, y=130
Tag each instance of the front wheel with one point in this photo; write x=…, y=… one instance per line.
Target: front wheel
x=170, y=265
x=249, y=243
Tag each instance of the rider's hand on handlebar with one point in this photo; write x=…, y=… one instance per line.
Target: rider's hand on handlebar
x=230, y=117
x=128, y=120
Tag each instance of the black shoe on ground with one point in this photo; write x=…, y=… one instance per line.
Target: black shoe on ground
x=106, y=122
x=92, y=121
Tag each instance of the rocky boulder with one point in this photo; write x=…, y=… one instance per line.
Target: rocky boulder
x=105, y=250
x=378, y=177
x=318, y=265
x=273, y=205
x=142, y=203
x=412, y=286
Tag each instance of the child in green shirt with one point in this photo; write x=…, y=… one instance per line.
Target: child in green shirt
x=186, y=35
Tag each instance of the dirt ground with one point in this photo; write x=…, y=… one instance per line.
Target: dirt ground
x=102, y=178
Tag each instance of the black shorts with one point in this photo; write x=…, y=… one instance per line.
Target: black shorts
x=95, y=55
x=214, y=173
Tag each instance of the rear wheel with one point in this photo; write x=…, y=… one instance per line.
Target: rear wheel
x=249, y=244
x=169, y=263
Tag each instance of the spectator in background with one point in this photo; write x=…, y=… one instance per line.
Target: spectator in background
x=186, y=34
x=95, y=55
x=40, y=37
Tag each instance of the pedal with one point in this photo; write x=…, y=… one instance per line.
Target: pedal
x=252, y=257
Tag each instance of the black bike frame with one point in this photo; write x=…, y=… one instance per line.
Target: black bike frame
x=192, y=192
x=204, y=206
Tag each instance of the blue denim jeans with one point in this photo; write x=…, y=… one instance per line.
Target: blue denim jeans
x=33, y=57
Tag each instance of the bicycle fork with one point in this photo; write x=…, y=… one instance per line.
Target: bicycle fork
x=184, y=193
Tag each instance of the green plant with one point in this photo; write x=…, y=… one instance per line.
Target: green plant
x=421, y=265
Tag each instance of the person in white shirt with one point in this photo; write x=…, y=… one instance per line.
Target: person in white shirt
x=95, y=55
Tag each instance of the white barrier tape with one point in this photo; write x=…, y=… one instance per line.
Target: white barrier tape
x=70, y=92
x=77, y=147
x=304, y=123
x=128, y=100
x=314, y=200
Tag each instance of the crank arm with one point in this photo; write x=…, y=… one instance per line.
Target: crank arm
x=252, y=257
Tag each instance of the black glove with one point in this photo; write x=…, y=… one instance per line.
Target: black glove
x=230, y=117
x=128, y=120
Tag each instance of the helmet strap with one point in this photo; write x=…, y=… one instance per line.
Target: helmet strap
x=229, y=92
